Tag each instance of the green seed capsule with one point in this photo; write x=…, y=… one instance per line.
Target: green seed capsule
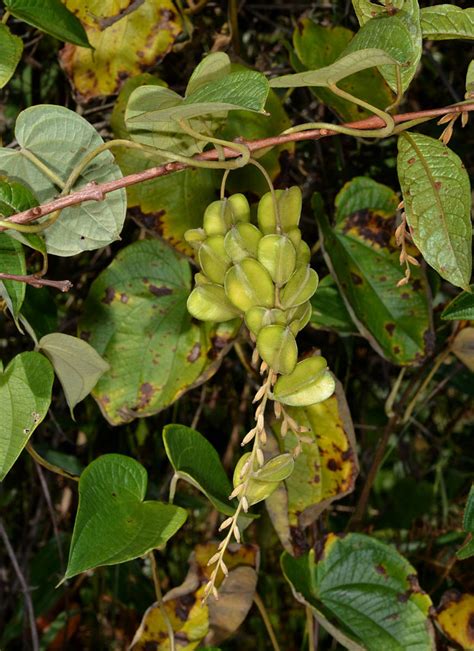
x=298, y=317
x=295, y=236
x=248, y=283
x=278, y=256
x=277, y=347
x=289, y=203
x=195, y=237
x=289, y=209
x=257, y=491
x=310, y=383
x=221, y=215
x=278, y=468
x=258, y=317
x=299, y=289
x=201, y=279
x=303, y=254
x=208, y=302
x=242, y=242
x=213, y=259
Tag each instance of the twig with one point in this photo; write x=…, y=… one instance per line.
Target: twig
x=159, y=598
x=97, y=192
x=266, y=620
x=24, y=587
x=37, y=281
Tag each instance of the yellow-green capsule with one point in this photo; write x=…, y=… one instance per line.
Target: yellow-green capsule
x=295, y=236
x=248, y=283
x=266, y=217
x=278, y=468
x=310, y=382
x=303, y=254
x=201, y=279
x=298, y=317
x=221, y=215
x=208, y=302
x=239, y=207
x=258, y=317
x=289, y=204
x=277, y=347
x=299, y=289
x=278, y=256
x=242, y=241
x=213, y=259
x=195, y=237
x=257, y=491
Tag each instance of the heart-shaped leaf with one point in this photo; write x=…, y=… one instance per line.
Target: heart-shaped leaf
x=368, y=588
x=444, y=22
x=135, y=316
x=213, y=67
x=461, y=307
x=196, y=461
x=77, y=365
x=51, y=17
x=11, y=47
x=329, y=310
x=437, y=199
x=56, y=138
x=347, y=65
x=25, y=396
x=12, y=261
x=113, y=523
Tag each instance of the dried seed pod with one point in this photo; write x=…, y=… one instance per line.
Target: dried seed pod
x=209, y=302
x=258, y=317
x=242, y=242
x=276, y=345
x=195, y=237
x=278, y=256
x=248, y=284
x=213, y=259
x=309, y=383
x=299, y=289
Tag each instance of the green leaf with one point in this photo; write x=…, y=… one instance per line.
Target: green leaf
x=467, y=550
x=329, y=309
x=242, y=90
x=11, y=47
x=213, y=67
x=15, y=197
x=461, y=307
x=317, y=46
x=77, y=365
x=25, y=395
x=407, y=15
x=136, y=318
x=470, y=80
x=12, y=261
x=364, y=259
x=400, y=38
x=443, y=22
x=51, y=17
x=60, y=138
x=113, y=523
x=368, y=588
x=325, y=469
x=344, y=67
x=437, y=198
x=196, y=461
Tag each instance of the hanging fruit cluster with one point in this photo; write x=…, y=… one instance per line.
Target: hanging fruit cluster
x=261, y=274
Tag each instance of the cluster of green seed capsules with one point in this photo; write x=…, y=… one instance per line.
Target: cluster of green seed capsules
x=259, y=273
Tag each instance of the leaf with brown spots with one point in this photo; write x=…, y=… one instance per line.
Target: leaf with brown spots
x=209, y=623
x=456, y=618
x=364, y=593
x=155, y=351
x=361, y=253
x=123, y=47
x=324, y=471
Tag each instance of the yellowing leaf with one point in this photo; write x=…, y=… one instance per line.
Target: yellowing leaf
x=463, y=347
x=194, y=622
x=324, y=471
x=455, y=617
x=123, y=47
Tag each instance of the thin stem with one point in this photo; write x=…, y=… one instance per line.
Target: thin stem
x=37, y=282
x=266, y=620
x=159, y=599
x=30, y=228
x=241, y=149
x=310, y=628
x=419, y=394
x=52, y=176
x=5, y=17
x=49, y=466
x=24, y=587
x=223, y=183
x=173, y=484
